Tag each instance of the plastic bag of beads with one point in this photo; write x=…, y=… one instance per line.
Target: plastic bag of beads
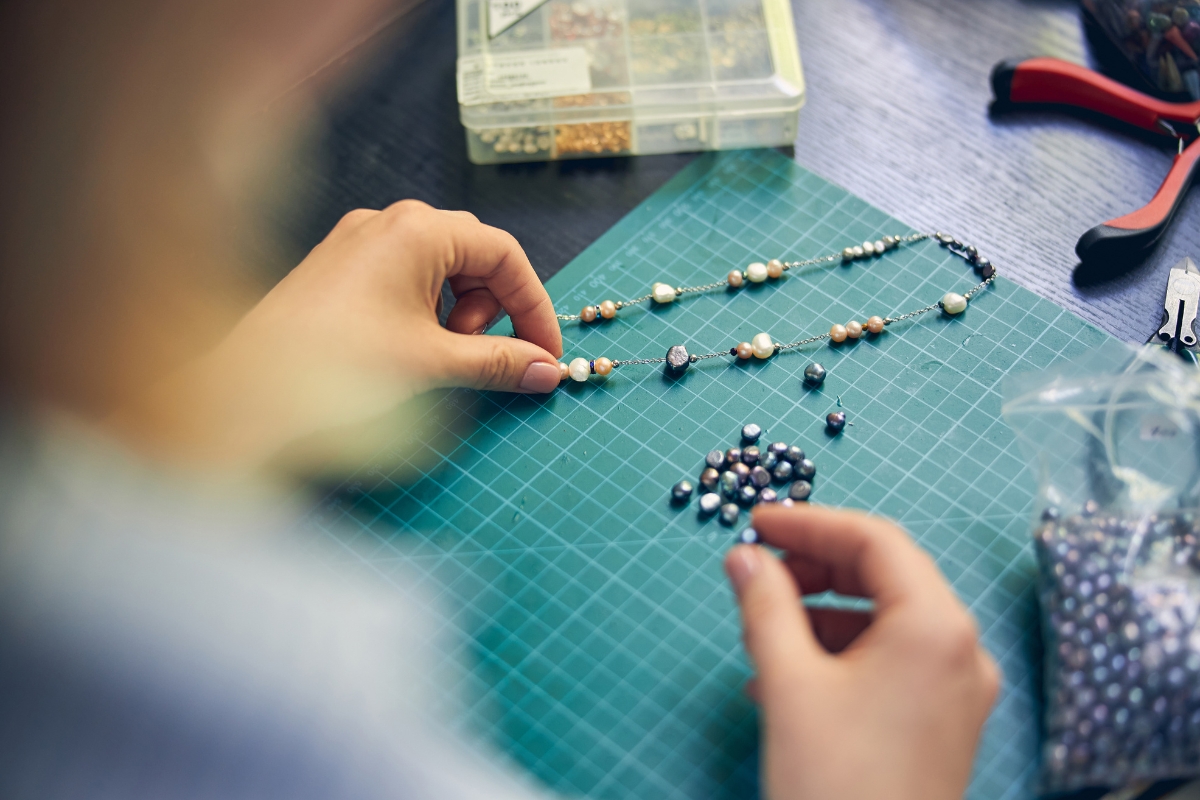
x=1114, y=441
x=1160, y=39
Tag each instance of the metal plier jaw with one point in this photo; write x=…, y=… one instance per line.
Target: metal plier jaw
x=1181, y=305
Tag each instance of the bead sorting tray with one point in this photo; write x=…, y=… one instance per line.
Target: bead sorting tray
x=588, y=78
x=604, y=638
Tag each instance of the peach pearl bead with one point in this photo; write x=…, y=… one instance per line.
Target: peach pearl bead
x=875, y=324
x=774, y=268
x=854, y=329
x=563, y=371
x=838, y=333
x=588, y=314
x=603, y=366
x=744, y=350
x=736, y=278
x=608, y=309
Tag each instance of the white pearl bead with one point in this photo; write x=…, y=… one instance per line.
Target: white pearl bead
x=954, y=303
x=580, y=368
x=756, y=272
x=762, y=345
x=663, y=293
x=868, y=248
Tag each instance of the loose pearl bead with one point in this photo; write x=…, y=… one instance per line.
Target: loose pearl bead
x=875, y=324
x=854, y=329
x=663, y=293
x=848, y=254
x=756, y=272
x=838, y=333
x=879, y=247
x=744, y=350
x=774, y=268
x=603, y=366
x=762, y=345
x=954, y=303
x=608, y=309
x=858, y=251
x=735, y=278
x=564, y=371
x=588, y=314
x=580, y=369
x=868, y=248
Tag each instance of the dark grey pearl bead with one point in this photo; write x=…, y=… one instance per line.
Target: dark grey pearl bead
x=783, y=472
x=709, y=503
x=800, y=491
x=715, y=459
x=767, y=495
x=748, y=536
x=806, y=469
x=768, y=460
x=733, y=456
x=729, y=483
x=814, y=375
x=743, y=473
x=751, y=432
x=747, y=495
x=835, y=421
x=710, y=479
x=779, y=449
x=682, y=491
x=729, y=513
x=678, y=359
x=750, y=455
x=760, y=478
x=794, y=454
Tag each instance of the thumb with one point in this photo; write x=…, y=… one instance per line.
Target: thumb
x=499, y=363
x=778, y=635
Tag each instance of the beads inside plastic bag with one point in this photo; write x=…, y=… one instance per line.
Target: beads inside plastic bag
x=1114, y=440
x=1160, y=38
x=1119, y=599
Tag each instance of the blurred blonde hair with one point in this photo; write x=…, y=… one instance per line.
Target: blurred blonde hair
x=135, y=138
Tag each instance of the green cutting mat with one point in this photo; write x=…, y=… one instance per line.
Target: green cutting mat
x=605, y=641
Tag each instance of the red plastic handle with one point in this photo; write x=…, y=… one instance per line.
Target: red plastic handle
x=1159, y=210
x=1051, y=80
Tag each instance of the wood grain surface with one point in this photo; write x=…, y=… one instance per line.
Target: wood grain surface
x=897, y=112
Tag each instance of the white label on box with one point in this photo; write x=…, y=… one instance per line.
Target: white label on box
x=503, y=14
x=524, y=75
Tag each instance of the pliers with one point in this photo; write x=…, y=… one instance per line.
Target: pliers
x=1121, y=242
x=1180, y=306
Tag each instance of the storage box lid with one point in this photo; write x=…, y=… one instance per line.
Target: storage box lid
x=590, y=60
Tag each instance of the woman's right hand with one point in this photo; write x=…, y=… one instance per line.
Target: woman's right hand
x=857, y=706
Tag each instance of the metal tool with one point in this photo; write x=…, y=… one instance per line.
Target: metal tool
x=1181, y=305
x=1119, y=244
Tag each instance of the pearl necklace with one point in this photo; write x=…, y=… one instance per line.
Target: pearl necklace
x=762, y=346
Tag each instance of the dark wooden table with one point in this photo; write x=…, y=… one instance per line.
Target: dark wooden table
x=898, y=113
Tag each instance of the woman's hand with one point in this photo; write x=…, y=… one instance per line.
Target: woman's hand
x=858, y=706
x=353, y=331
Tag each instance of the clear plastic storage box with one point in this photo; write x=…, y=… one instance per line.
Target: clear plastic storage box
x=587, y=78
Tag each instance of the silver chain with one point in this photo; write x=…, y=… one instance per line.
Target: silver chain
x=844, y=255
x=966, y=252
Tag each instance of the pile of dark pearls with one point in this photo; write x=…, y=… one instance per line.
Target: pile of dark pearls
x=1119, y=599
x=742, y=476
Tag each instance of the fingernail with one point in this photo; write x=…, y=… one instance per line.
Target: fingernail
x=477, y=331
x=741, y=565
x=540, y=377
